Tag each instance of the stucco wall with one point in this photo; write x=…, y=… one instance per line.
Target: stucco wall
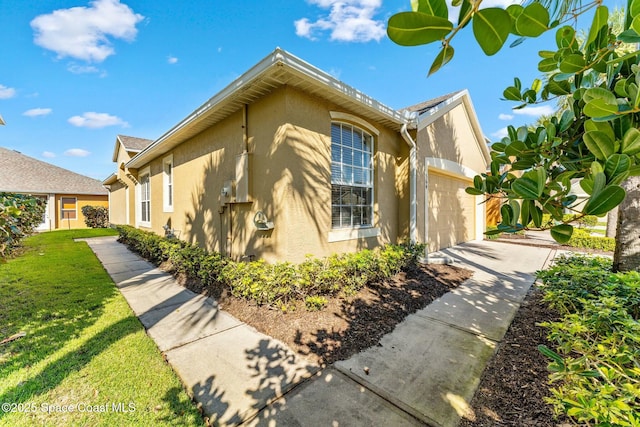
x=450, y=137
x=117, y=203
x=82, y=200
x=289, y=145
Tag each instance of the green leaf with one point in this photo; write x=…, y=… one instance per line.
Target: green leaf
x=634, y=8
x=599, y=181
x=491, y=28
x=561, y=233
x=526, y=188
x=547, y=65
x=629, y=36
x=600, y=19
x=599, y=144
x=473, y=191
x=572, y=63
x=631, y=142
x=550, y=354
x=533, y=21
x=506, y=212
x=416, y=28
x=516, y=148
x=443, y=58
x=635, y=24
x=566, y=120
x=605, y=200
x=565, y=36
x=599, y=93
x=512, y=94
x=525, y=211
x=617, y=168
x=515, y=208
x=562, y=87
x=587, y=184
x=464, y=10
x=434, y=7
x=536, y=215
x=537, y=83
x=599, y=108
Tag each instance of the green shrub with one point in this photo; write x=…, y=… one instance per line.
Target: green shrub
x=597, y=341
x=315, y=303
x=277, y=284
x=585, y=221
x=583, y=239
x=96, y=216
x=20, y=214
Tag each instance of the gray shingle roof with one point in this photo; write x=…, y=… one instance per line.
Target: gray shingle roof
x=427, y=105
x=24, y=174
x=131, y=143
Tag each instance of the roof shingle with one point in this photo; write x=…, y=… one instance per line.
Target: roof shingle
x=24, y=174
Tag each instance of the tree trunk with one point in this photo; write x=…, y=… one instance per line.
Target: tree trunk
x=612, y=223
x=627, y=254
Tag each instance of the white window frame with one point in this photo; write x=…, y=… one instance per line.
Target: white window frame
x=63, y=210
x=140, y=196
x=167, y=184
x=365, y=230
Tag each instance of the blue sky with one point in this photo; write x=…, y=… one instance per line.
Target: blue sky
x=74, y=74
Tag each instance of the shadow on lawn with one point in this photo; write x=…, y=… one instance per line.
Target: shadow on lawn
x=54, y=304
x=57, y=370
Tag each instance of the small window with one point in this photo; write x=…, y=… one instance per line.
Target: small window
x=68, y=208
x=167, y=178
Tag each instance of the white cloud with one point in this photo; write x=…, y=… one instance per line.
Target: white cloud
x=540, y=110
x=35, y=112
x=347, y=20
x=85, y=32
x=94, y=120
x=7, y=92
x=500, y=133
x=454, y=12
x=48, y=154
x=503, y=116
x=77, y=152
x=82, y=69
x=172, y=60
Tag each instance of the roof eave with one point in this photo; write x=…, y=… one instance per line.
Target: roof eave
x=277, y=58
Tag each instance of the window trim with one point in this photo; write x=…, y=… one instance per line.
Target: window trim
x=63, y=210
x=358, y=231
x=142, y=173
x=168, y=184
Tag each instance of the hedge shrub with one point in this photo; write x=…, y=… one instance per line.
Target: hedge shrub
x=584, y=239
x=277, y=284
x=96, y=216
x=596, y=361
x=20, y=214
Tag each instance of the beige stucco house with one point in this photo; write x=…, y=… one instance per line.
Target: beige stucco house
x=65, y=192
x=288, y=161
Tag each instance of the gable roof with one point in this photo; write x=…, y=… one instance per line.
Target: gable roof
x=131, y=144
x=430, y=111
x=277, y=69
x=24, y=174
x=432, y=103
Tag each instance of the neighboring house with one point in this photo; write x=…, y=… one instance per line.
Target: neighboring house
x=288, y=161
x=65, y=192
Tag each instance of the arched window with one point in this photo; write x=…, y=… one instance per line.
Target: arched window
x=351, y=176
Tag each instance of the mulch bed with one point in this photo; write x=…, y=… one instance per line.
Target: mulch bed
x=513, y=386
x=347, y=325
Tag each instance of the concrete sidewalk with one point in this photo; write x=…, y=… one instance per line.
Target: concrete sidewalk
x=424, y=372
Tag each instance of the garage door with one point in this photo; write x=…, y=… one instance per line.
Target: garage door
x=452, y=211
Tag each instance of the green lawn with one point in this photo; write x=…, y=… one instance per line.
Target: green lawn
x=84, y=350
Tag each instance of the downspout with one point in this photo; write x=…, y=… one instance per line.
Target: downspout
x=413, y=166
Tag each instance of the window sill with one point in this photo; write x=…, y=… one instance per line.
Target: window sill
x=352, y=234
x=144, y=224
x=167, y=209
